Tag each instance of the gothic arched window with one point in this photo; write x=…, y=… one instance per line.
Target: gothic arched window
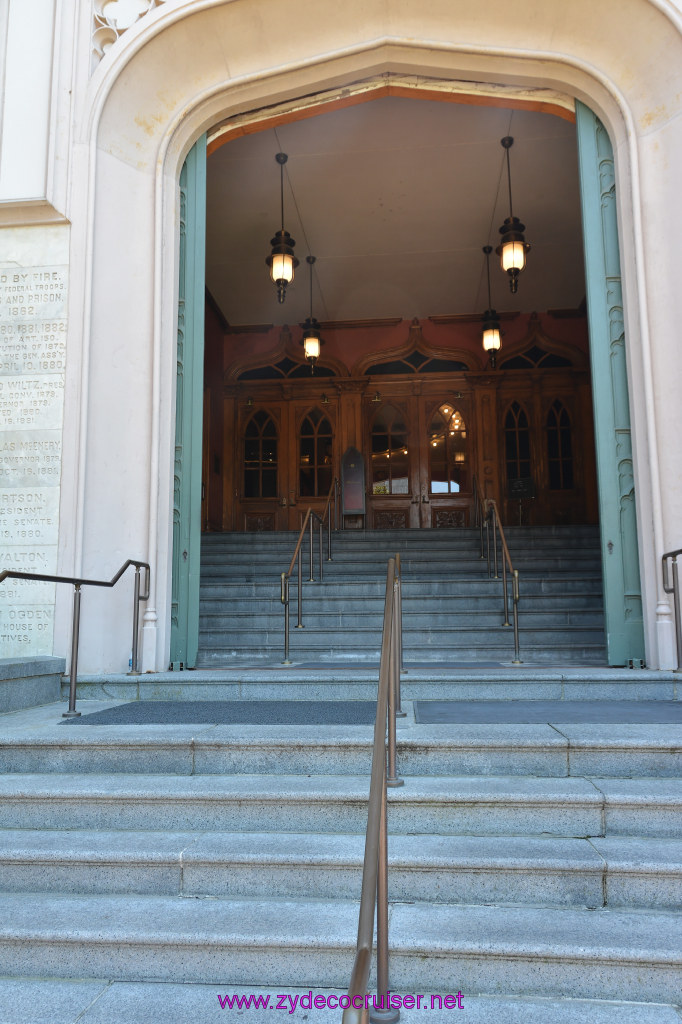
x=559, y=448
x=260, y=456
x=315, y=455
x=516, y=442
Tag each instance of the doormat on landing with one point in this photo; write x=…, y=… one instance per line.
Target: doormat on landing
x=532, y=712
x=233, y=712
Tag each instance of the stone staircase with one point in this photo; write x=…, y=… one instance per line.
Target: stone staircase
x=452, y=611
x=537, y=869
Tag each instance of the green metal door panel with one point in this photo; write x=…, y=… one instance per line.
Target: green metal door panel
x=617, y=508
x=189, y=410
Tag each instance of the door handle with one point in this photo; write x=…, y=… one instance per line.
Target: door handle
x=425, y=500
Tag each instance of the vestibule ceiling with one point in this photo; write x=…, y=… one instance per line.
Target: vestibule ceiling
x=395, y=198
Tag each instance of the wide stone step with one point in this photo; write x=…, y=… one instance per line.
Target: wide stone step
x=573, y=587
x=218, y=653
x=570, y=807
x=454, y=635
x=371, y=618
x=104, y=1002
x=317, y=679
x=360, y=567
x=526, y=951
x=550, y=750
x=330, y=601
x=613, y=872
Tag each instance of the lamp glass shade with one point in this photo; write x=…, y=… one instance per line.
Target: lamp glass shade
x=311, y=347
x=491, y=339
x=282, y=267
x=513, y=255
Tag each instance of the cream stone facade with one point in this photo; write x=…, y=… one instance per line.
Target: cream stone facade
x=92, y=146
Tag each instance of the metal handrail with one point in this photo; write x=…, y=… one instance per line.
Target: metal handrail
x=77, y=582
x=494, y=521
x=479, y=513
x=675, y=591
x=374, y=894
x=308, y=524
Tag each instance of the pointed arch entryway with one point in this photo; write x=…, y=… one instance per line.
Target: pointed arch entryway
x=406, y=480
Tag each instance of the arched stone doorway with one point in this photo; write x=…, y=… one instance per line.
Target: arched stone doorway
x=137, y=127
x=420, y=486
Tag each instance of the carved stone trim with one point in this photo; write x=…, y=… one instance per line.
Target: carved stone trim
x=110, y=20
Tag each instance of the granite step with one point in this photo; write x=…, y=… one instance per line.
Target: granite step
x=526, y=951
x=63, y=1001
x=505, y=870
x=314, y=678
x=495, y=805
x=556, y=750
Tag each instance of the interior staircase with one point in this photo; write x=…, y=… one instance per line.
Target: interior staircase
x=452, y=610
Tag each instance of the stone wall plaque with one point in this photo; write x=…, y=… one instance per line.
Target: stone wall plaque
x=32, y=366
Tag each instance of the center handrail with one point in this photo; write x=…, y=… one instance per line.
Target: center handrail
x=674, y=589
x=309, y=519
x=479, y=512
x=374, y=893
x=77, y=582
x=494, y=521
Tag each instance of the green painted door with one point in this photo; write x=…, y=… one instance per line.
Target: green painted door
x=617, y=507
x=189, y=411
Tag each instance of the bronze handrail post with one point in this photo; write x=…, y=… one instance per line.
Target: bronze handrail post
x=73, y=668
x=284, y=597
x=479, y=514
x=674, y=589
x=507, y=569
x=297, y=561
x=398, y=627
x=311, y=578
x=374, y=875
x=77, y=582
x=394, y=681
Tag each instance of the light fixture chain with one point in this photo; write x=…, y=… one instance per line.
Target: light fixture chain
x=511, y=210
x=281, y=192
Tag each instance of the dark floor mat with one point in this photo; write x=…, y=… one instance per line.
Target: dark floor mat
x=227, y=712
x=530, y=712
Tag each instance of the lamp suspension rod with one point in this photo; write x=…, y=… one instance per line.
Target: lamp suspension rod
x=511, y=210
x=281, y=190
x=487, y=249
x=311, y=260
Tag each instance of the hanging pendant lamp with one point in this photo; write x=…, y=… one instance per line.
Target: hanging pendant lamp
x=281, y=260
x=311, y=340
x=513, y=247
x=492, y=338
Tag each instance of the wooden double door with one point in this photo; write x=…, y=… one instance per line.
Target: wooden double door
x=418, y=456
x=420, y=461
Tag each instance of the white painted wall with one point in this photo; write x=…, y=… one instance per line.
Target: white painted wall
x=192, y=62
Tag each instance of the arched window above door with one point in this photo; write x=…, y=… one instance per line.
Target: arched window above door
x=559, y=447
x=260, y=456
x=448, y=451
x=516, y=443
x=389, y=452
x=315, y=442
